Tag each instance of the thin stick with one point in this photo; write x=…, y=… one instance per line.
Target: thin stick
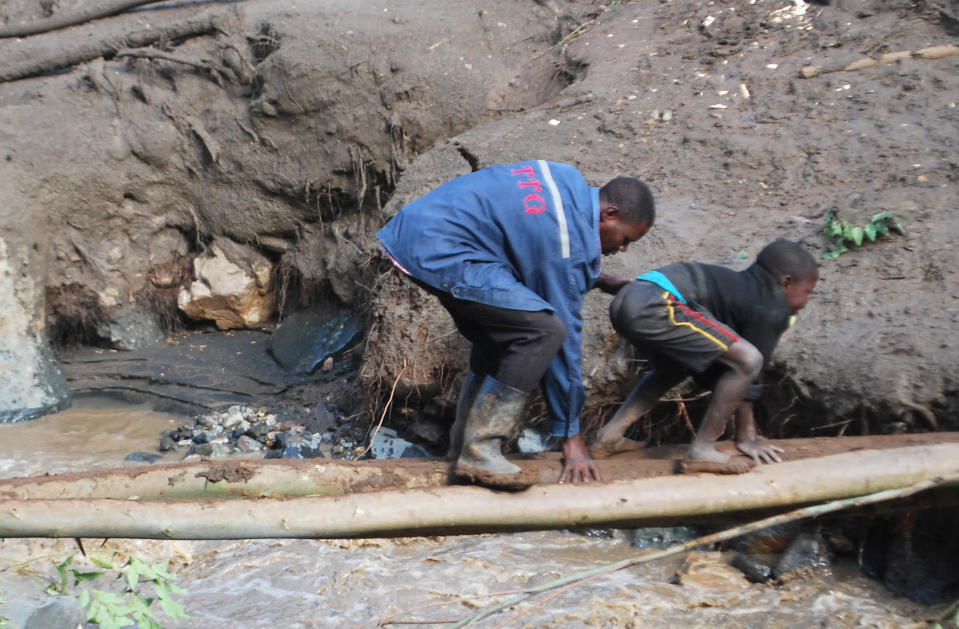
x=383, y=415
x=713, y=538
x=153, y=53
x=933, y=52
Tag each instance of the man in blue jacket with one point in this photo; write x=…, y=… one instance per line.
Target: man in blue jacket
x=509, y=251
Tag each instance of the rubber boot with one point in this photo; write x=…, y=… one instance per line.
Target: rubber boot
x=467, y=396
x=491, y=420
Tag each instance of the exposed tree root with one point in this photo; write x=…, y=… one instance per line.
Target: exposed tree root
x=80, y=50
x=102, y=8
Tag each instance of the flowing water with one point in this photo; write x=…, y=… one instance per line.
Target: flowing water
x=419, y=581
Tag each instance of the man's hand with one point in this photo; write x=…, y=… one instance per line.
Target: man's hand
x=760, y=450
x=578, y=467
x=611, y=283
x=748, y=440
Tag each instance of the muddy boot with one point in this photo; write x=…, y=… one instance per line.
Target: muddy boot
x=491, y=420
x=467, y=396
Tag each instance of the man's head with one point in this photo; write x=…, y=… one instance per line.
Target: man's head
x=626, y=212
x=793, y=267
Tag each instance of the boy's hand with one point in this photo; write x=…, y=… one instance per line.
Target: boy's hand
x=578, y=466
x=611, y=283
x=760, y=450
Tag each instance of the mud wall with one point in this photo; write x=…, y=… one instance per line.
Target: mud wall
x=291, y=134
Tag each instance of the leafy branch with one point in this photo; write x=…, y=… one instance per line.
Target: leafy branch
x=840, y=232
x=132, y=607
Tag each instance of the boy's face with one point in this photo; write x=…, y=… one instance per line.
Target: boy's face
x=797, y=291
x=615, y=234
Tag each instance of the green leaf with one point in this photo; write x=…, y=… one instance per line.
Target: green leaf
x=80, y=577
x=145, y=570
x=880, y=217
x=897, y=227
x=882, y=228
x=870, y=231
x=84, y=597
x=857, y=233
x=108, y=598
x=160, y=570
x=847, y=232
x=909, y=248
x=61, y=587
x=132, y=577
x=832, y=255
x=172, y=609
x=102, y=560
x=141, y=612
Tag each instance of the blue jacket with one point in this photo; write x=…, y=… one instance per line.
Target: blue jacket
x=523, y=237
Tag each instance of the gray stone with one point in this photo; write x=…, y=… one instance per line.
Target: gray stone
x=32, y=609
x=248, y=444
x=532, y=440
x=305, y=339
x=131, y=327
x=31, y=384
x=753, y=569
x=142, y=457
x=808, y=550
x=388, y=445
x=662, y=537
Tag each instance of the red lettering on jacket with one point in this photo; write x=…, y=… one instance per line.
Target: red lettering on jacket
x=534, y=204
x=525, y=170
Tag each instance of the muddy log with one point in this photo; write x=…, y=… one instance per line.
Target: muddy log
x=324, y=477
x=80, y=49
x=450, y=510
x=104, y=8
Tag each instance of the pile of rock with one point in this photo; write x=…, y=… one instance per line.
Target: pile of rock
x=245, y=430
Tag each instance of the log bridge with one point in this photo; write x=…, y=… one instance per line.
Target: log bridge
x=322, y=498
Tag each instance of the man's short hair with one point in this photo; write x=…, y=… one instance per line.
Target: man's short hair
x=633, y=198
x=785, y=257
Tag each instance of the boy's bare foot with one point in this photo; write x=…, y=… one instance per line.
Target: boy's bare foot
x=602, y=450
x=705, y=452
x=738, y=465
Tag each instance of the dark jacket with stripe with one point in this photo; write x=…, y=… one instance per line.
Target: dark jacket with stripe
x=751, y=302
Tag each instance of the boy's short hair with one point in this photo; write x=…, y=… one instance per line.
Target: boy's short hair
x=633, y=198
x=785, y=257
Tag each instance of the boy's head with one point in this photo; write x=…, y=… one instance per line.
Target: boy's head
x=793, y=267
x=626, y=212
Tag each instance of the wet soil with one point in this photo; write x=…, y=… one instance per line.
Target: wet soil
x=192, y=372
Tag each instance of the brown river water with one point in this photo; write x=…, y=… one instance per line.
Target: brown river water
x=419, y=582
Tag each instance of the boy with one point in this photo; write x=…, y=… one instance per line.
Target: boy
x=708, y=320
x=509, y=251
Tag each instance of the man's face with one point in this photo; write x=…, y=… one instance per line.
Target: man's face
x=797, y=292
x=616, y=235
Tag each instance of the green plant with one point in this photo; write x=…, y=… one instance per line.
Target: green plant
x=129, y=608
x=840, y=232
